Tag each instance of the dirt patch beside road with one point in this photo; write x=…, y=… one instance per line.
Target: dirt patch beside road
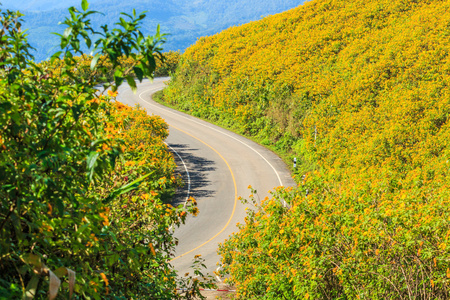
x=223, y=292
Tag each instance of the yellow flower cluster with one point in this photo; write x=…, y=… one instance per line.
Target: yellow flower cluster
x=165, y=65
x=360, y=89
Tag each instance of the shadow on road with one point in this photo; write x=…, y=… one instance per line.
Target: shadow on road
x=198, y=168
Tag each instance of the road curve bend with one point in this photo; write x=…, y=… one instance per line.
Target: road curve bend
x=218, y=166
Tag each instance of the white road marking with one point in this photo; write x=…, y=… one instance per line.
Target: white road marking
x=226, y=134
x=187, y=172
x=189, y=180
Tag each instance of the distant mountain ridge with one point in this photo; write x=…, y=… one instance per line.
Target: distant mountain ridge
x=185, y=21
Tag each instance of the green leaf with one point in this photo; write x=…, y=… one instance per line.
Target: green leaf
x=64, y=43
x=76, y=111
x=32, y=259
x=60, y=272
x=126, y=188
x=118, y=81
x=59, y=112
x=91, y=163
x=113, y=236
x=17, y=226
x=88, y=42
x=95, y=60
x=60, y=206
x=131, y=83
x=76, y=45
x=84, y=5
x=139, y=73
x=30, y=291
x=67, y=32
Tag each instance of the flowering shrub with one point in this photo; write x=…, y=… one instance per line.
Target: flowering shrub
x=166, y=64
x=83, y=179
x=358, y=90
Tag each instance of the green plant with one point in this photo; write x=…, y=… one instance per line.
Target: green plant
x=81, y=211
x=358, y=92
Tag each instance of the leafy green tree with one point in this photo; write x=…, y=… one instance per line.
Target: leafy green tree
x=57, y=158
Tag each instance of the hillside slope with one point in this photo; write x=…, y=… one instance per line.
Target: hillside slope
x=184, y=20
x=359, y=90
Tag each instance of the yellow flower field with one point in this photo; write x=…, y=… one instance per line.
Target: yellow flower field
x=359, y=92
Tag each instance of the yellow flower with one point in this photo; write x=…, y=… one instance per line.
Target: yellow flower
x=104, y=278
x=112, y=94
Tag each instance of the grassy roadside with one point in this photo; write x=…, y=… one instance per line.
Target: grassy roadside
x=287, y=157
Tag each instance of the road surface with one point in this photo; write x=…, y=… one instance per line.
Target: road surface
x=217, y=166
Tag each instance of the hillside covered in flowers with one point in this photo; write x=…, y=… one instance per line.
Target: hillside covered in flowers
x=359, y=92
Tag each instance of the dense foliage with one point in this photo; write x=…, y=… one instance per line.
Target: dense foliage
x=82, y=178
x=166, y=64
x=359, y=91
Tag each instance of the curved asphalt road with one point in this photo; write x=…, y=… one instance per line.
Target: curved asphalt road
x=221, y=165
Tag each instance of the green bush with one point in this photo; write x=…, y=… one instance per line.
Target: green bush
x=81, y=210
x=359, y=92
